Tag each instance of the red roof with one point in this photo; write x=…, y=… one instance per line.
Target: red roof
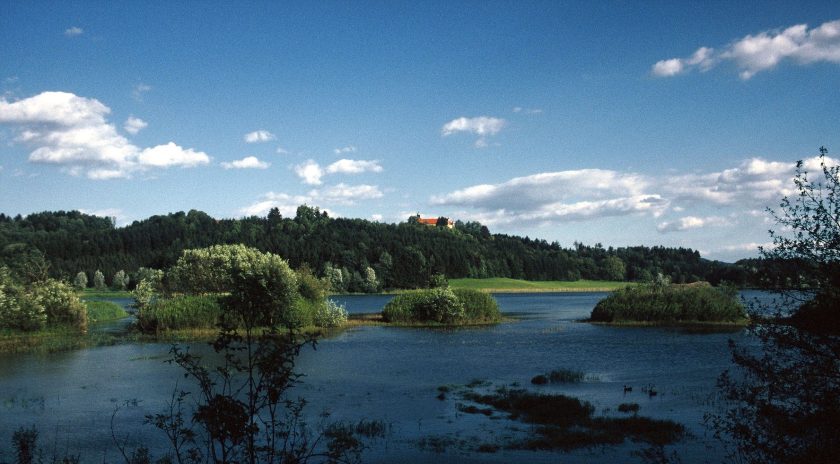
x=431, y=221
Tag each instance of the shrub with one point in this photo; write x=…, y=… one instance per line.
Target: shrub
x=18, y=310
x=183, y=312
x=80, y=281
x=330, y=314
x=435, y=305
x=309, y=286
x=442, y=305
x=61, y=304
x=670, y=303
x=478, y=306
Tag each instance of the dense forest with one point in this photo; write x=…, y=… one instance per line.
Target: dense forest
x=351, y=253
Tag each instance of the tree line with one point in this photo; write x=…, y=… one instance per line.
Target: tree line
x=353, y=254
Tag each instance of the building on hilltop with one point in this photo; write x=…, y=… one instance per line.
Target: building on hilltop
x=434, y=221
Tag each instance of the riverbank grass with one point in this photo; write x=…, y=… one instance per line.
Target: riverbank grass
x=102, y=311
x=505, y=285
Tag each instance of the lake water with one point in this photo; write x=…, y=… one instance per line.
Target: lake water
x=392, y=374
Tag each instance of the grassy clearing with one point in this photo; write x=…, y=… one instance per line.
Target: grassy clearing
x=93, y=293
x=505, y=285
x=101, y=311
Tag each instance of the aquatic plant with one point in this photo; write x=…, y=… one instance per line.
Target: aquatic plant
x=670, y=303
x=443, y=306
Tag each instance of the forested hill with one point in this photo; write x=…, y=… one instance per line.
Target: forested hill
x=404, y=255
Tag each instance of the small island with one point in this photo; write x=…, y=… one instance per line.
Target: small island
x=663, y=303
x=442, y=306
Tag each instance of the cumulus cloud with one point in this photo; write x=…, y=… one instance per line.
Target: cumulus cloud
x=558, y=197
x=690, y=222
x=134, y=125
x=311, y=172
x=259, y=136
x=483, y=126
x=73, y=132
x=287, y=204
x=348, y=166
x=73, y=31
x=347, y=194
x=341, y=194
x=755, y=183
x=249, y=162
x=376, y=217
x=342, y=150
x=763, y=51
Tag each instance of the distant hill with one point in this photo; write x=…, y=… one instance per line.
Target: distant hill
x=404, y=255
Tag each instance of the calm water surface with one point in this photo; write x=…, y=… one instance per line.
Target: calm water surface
x=392, y=374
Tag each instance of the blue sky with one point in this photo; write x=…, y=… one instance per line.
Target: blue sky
x=624, y=123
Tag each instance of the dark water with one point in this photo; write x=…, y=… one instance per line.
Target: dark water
x=392, y=374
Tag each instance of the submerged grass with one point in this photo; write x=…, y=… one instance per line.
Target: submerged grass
x=566, y=423
x=51, y=340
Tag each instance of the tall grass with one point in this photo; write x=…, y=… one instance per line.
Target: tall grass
x=181, y=312
x=674, y=303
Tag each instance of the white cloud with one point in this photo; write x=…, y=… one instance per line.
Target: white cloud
x=763, y=51
x=73, y=132
x=557, y=197
x=172, y=155
x=690, y=222
x=249, y=162
x=519, y=109
x=119, y=216
x=73, y=31
x=482, y=125
x=376, y=217
x=348, y=166
x=134, y=125
x=282, y=151
x=347, y=149
x=259, y=136
x=754, y=183
x=751, y=246
x=341, y=194
x=287, y=204
x=347, y=194
x=310, y=172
